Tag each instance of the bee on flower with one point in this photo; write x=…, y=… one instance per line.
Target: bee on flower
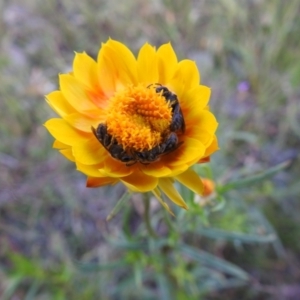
x=141, y=121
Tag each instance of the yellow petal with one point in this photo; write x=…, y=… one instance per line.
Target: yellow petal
x=191, y=180
x=115, y=168
x=197, y=96
x=186, y=155
x=97, y=182
x=59, y=103
x=204, y=120
x=95, y=113
x=89, y=152
x=91, y=170
x=139, y=182
x=156, y=169
x=180, y=168
x=167, y=63
x=107, y=77
x=100, y=99
x=59, y=145
x=190, y=150
x=147, y=65
x=212, y=147
x=185, y=77
x=85, y=71
x=75, y=94
x=68, y=154
x=201, y=135
x=165, y=184
x=162, y=202
x=83, y=122
x=116, y=59
x=187, y=73
x=65, y=133
x=125, y=58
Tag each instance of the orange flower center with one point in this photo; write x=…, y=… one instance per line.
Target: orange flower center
x=138, y=118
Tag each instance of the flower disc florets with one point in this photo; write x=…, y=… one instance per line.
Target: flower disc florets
x=138, y=118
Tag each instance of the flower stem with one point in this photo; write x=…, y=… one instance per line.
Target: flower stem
x=167, y=220
x=147, y=216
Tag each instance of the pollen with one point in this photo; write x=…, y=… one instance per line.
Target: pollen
x=138, y=118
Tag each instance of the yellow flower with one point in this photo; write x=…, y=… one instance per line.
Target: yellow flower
x=143, y=122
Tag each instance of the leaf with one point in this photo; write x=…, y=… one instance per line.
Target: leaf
x=149, y=245
x=221, y=284
x=32, y=292
x=279, y=248
x=95, y=267
x=128, y=245
x=215, y=262
x=119, y=205
x=245, y=182
x=25, y=267
x=12, y=286
x=165, y=287
x=216, y=233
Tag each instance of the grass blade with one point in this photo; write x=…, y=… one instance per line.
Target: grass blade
x=216, y=233
x=245, y=182
x=210, y=260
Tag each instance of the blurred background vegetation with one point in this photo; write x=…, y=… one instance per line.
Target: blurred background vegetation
x=54, y=240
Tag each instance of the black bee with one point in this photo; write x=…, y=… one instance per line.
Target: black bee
x=177, y=122
x=111, y=145
x=170, y=144
x=166, y=93
x=144, y=157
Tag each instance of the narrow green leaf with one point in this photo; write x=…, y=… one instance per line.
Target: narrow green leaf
x=145, y=244
x=245, y=182
x=95, y=267
x=127, y=244
x=138, y=277
x=11, y=287
x=32, y=292
x=165, y=287
x=223, y=284
x=216, y=233
x=119, y=205
x=215, y=262
x=279, y=248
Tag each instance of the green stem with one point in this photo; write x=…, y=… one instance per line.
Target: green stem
x=166, y=218
x=119, y=205
x=147, y=216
